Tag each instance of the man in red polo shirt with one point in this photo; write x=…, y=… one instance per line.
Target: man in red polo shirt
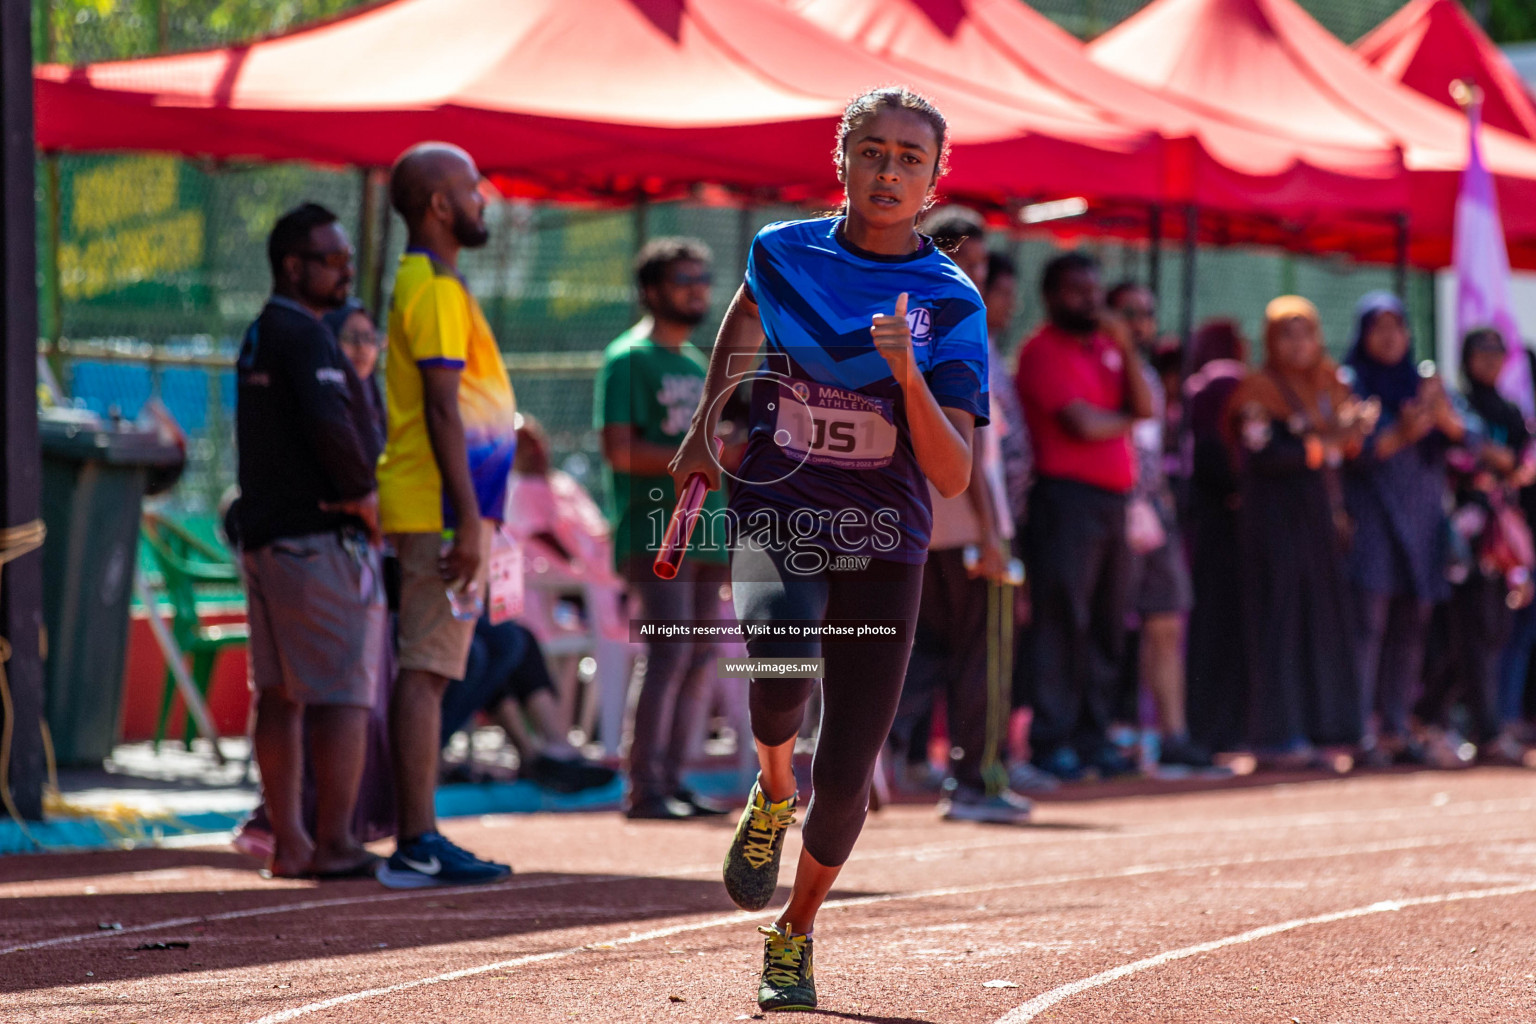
x=1082, y=392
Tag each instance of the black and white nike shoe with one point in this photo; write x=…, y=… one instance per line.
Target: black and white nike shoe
x=430, y=859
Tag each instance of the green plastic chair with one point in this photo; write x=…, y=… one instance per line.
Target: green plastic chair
x=186, y=562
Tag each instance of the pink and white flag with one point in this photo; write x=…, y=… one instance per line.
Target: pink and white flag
x=1482, y=270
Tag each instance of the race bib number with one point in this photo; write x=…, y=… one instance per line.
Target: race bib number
x=827, y=426
x=504, y=579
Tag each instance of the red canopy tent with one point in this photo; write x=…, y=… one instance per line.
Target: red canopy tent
x=576, y=96
x=1278, y=185
x=1268, y=64
x=1429, y=44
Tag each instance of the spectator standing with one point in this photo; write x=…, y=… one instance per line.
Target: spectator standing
x=445, y=467
x=647, y=391
x=306, y=519
x=1515, y=663
x=1291, y=425
x=375, y=815
x=1395, y=492
x=1217, y=687
x=1463, y=660
x=1082, y=392
x=360, y=343
x=1160, y=590
x=954, y=613
x=1010, y=432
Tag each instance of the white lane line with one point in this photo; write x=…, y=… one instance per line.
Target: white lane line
x=1016, y=838
x=740, y=917
x=1032, y=1009
x=500, y=965
x=194, y=841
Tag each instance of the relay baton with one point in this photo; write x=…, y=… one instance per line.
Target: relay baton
x=684, y=517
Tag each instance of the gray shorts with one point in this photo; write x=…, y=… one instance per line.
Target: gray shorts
x=316, y=610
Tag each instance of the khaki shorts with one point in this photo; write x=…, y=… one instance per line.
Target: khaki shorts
x=318, y=622
x=430, y=638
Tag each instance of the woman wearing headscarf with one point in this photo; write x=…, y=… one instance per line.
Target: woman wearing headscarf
x=1515, y=662
x=1290, y=425
x=1217, y=665
x=1495, y=576
x=1395, y=492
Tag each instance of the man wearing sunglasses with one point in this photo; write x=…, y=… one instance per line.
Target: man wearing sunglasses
x=307, y=522
x=650, y=384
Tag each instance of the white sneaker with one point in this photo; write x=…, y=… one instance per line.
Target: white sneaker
x=966, y=804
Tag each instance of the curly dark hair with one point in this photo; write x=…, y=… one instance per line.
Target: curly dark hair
x=653, y=259
x=950, y=226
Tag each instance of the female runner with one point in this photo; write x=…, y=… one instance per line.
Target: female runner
x=873, y=379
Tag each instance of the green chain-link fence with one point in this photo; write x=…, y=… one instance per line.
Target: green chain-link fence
x=160, y=262
x=1347, y=19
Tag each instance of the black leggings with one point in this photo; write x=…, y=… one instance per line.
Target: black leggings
x=859, y=692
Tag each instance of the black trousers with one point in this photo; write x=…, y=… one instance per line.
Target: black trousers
x=858, y=692
x=677, y=675
x=1078, y=561
x=1462, y=664
x=949, y=657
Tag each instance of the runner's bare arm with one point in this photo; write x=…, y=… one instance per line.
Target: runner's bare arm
x=739, y=340
x=941, y=438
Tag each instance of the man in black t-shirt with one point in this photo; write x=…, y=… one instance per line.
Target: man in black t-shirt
x=307, y=522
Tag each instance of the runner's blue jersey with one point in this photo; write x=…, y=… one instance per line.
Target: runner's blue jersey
x=828, y=423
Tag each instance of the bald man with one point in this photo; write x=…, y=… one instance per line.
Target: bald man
x=442, y=486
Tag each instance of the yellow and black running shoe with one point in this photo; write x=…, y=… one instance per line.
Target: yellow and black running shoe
x=752, y=863
x=789, y=979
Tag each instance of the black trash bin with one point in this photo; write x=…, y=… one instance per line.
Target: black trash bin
x=94, y=481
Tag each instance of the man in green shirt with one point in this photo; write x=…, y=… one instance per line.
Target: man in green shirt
x=650, y=384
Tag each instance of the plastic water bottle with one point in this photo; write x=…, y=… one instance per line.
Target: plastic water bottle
x=467, y=601
x=465, y=598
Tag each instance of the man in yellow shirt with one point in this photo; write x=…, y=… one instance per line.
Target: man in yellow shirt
x=444, y=468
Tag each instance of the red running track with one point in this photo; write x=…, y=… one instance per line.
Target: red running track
x=1400, y=897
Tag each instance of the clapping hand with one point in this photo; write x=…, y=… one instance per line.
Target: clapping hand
x=1359, y=416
